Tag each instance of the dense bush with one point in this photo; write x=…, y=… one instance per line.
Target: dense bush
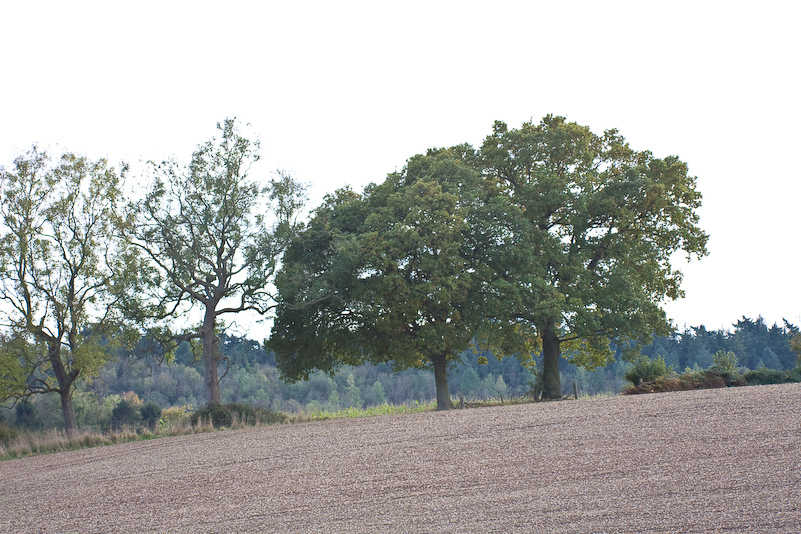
x=795, y=374
x=27, y=416
x=150, y=413
x=175, y=416
x=718, y=376
x=7, y=433
x=724, y=362
x=125, y=414
x=764, y=376
x=220, y=415
x=644, y=369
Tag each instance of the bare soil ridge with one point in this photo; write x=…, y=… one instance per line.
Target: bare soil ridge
x=696, y=461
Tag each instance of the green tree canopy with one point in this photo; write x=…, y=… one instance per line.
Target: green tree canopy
x=214, y=238
x=388, y=275
x=63, y=276
x=603, y=222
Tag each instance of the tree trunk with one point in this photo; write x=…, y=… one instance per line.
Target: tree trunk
x=551, y=352
x=210, y=356
x=70, y=423
x=65, y=381
x=440, y=362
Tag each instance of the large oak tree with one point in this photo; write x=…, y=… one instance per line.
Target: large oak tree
x=603, y=222
x=387, y=275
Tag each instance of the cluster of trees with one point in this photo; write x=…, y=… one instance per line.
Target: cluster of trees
x=753, y=342
x=82, y=268
x=547, y=240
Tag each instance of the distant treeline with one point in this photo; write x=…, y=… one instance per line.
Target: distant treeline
x=252, y=377
x=754, y=342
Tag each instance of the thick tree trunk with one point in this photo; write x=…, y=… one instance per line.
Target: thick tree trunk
x=210, y=357
x=440, y=362
x=551, y=352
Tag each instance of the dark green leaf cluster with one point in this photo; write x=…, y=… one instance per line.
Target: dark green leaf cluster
x=125, y=414
x=150, y=413
x=393, y=274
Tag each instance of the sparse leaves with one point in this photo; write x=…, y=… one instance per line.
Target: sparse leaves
x=62, y=282
x=209, y=241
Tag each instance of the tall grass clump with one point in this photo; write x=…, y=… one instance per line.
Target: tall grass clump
x=235, y=415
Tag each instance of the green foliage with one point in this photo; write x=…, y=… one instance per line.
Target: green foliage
x=227, y=415
x=17, y=358
x=724, y=362
x=795, y=343
x=63, y=276
x=91, y=410
x=26, y=416
x=150, y=414
x=694, y=373
x=765, y=376
x=125, y=414
x=214, y=238
x=599, y=224
x=389, y=275
x=644, y=369
x=376, y=396
x=174, y=416
x=751, y=341
x=794, y=375
x=353, y=395
x=7, y=433
x=723, y=373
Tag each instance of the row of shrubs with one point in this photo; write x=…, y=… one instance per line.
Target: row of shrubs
x=235, y=414
x=653, y=375
x=128, y=414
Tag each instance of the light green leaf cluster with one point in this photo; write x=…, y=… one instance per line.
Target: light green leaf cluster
x=214, y=239
x=64, y=275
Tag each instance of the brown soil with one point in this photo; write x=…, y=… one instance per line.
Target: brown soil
x=696, y=461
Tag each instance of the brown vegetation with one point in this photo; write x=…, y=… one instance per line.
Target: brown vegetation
x=697, y=461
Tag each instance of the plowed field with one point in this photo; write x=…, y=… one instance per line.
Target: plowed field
x=700, y=461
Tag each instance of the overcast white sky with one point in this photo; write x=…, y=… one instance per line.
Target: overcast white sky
x=344, y=92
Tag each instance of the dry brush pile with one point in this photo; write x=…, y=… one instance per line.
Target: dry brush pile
x=695, y=461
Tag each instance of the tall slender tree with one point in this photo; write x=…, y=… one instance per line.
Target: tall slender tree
x=214, y=238
x=63, y=276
